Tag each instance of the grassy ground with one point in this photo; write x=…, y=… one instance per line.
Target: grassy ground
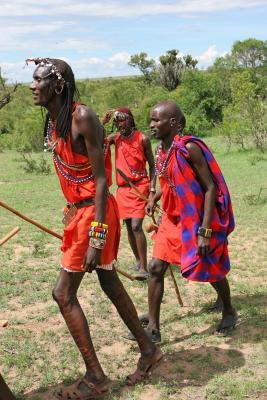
x=36, y=351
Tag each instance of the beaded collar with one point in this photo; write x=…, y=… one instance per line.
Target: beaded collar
x=161, y=166
x=62, y=165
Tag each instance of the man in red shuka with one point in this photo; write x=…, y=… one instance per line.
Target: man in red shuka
x=132, y=151
x=91, y=237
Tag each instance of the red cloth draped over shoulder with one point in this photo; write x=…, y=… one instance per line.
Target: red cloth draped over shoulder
x=131, y=159
x=167, y=243
x=75, y=239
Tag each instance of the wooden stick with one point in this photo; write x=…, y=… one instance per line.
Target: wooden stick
x=180, y=301
x=43, y=228
x=31, y=221
x=9, y=235
x=131, y=277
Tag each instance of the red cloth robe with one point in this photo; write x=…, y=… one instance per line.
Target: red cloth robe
x=75, y=239
x=130, y=158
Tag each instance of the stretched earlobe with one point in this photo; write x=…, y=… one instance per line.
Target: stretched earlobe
x=60, y=90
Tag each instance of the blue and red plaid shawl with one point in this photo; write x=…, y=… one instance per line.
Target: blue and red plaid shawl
x=214, y=266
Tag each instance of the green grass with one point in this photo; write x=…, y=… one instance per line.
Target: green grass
x=36, y=350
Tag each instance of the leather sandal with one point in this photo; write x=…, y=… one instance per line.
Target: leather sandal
x=90, y=390
x=145, y=366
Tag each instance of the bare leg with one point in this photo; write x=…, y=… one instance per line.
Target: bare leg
x=229, y=315
x=218, y=305
x=115, y=291
x=5, y=392
x=157, y=269
x=65, y=294
x=140, y=240
x=132, y=241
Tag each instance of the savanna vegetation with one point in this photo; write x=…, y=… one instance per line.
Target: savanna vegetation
x=228, y=99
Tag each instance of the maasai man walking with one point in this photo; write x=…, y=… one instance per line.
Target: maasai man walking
x=91, y=235
x=197, y=216
x=132, y=151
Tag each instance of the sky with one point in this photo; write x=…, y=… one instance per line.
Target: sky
x=97, y=38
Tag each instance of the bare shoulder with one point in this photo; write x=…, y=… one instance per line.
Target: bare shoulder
x=195, y=152
x=83, y=113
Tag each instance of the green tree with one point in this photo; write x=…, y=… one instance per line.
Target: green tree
x=171, y=68
x=145, y=65
x=250, y=53
x=245, y=119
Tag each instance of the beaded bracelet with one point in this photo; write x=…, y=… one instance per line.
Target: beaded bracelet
x=97, y=235
x=97, y=229
x=99, y=224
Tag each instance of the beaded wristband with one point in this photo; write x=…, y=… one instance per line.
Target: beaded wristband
x=97, y=235
x=99, y=224
x=97, y=229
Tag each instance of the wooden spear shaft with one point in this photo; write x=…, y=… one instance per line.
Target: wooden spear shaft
x=31, y=221
x=43, y=228
x=9, y=235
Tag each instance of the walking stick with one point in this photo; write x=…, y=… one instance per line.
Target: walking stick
x=9, y=235
x=43, y=228
x=176, y=287
x=143, y=197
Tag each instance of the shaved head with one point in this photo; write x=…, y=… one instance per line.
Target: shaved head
x=169, y=109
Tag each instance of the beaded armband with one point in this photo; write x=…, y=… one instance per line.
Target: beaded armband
x=98, y=230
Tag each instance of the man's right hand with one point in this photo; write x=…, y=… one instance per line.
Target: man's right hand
x=150, y=207
x=107, y=117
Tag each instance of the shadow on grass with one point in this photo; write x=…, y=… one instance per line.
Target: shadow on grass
x=251, y=324
x=192, y=367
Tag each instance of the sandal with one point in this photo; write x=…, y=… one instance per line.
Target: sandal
x=227, y=324
x=83, y=390
x=144, y=368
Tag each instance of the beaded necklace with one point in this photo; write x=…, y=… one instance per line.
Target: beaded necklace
x=134, y=172
x=162, y=169
x=60, y=164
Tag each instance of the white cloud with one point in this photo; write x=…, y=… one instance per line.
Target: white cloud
x=23, y=36
x=132, y=9
x=207, y=58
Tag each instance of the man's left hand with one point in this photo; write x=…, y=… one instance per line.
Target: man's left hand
x=203, y=245
x=91, y=259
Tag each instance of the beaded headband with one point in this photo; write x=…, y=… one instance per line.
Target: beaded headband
x=46, y=62
x=120, y=116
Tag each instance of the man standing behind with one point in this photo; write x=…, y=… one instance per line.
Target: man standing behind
x=197, y=216
x=91, y=236
x=132, y=151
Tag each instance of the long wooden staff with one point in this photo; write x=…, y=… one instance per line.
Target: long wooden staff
x=9, y=235
x=143, y=197
x=43, y=228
